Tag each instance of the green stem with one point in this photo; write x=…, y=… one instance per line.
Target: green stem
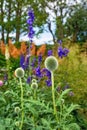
x=53, y=96
x=34, y=93
x=22, y=105
x=30, y=59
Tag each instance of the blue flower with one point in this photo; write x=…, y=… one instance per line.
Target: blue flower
x=39, y=59
x=60, y=42
x=29, y=80
x=24, y=61
x=33, y=62
x=50, y=52
x=48, y=82
x=38, y=72
x=30, y=24
x=62, y=52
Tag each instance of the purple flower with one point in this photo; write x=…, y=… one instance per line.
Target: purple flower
x=46, y=72
x=65, y=52
x=50, y=52
x=39, y=59
x=1, y=83
x=58, y=88
x=29, y=80
x=24, y=61
x=60, y=42
x=71, y=94
x=5, y=77
x=48, y=82
x=33, y=62
x=62, y=52
x=30, y=24
x=38, y=72
x=66, y=87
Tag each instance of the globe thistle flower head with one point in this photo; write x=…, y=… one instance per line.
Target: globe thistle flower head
x=51, y=63
x=17, y=110
x=34, y=85
x=19, y=72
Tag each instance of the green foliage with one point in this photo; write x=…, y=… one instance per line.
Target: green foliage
x=76, y=24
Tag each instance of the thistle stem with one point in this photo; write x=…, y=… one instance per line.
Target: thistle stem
x=53, y=96
x=22, y=105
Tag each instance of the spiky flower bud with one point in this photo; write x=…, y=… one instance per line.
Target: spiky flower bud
x=34, y=85
x=17, y=123
x=34, y=81
x=51, y=63
x=19, y=72
x=17, y=110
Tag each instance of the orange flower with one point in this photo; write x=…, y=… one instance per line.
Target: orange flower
x=2, y=47
x=41, y=50
x=33, y=49
x=23, y=48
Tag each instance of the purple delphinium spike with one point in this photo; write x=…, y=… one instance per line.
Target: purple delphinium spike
x=39, y=59
x=33, y=62
x=30, y=22
x=50, y=52
x=38, y=72
x=24, y=61
x=47, y=73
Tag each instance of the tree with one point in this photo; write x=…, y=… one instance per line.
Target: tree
x=77, y=23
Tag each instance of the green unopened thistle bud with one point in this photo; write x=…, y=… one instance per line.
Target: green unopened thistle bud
x=34, y=85
x=19, y=72
x=34, y=81
x=17, y=123
x=51, y=63
x=28, y=93
x=17, y=110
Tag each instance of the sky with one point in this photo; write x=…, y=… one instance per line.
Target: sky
x=45, y=37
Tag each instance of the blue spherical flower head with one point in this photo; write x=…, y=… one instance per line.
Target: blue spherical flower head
x=51, y=63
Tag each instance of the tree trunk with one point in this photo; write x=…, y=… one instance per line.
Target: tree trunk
x=9, y=18
x=74, y=37
x=18, y=21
